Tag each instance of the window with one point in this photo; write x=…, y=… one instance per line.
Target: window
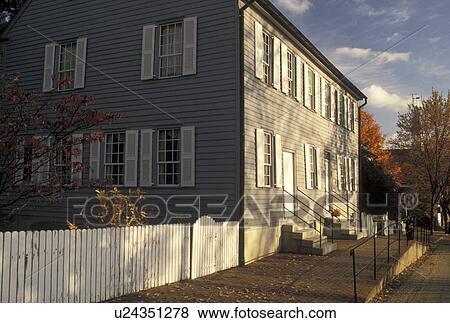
x=66, y=68
x=336, y=106
x=352, y=116
x=27, y=162
x=311, y=87
x=352, y=174
x=341, y=109
x=268, y=156
x=291, y=69
x=63, y=165
x=171, y=50
x=268, y=58
x=169, y=143
x=115, y=158
x=313, y=167
x=328, y=100
x=343, y=174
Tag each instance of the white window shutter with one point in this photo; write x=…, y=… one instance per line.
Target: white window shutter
x=146, y=158
x=347, y=112
x=80, y=63
x=94, y=160
x=190, y=46
x=306, y=99
x=148, y=52
x=319, y=168
x=309, y=184
x=259, y=51
x=355, y=161
x=276, y=63
x=347, y=173
x=355, y=116
x=49, y=68
x=284, y=69
x=298, y=81
x=333, y=103
x=260, y=158
x=339, y=173
x=78, y=158
x=317, y=93
x=322, y=95
x=338, y=117
x=278, y=162
x=131, y=157
x=187, y=156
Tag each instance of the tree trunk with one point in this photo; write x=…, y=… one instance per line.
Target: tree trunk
x=431, y=220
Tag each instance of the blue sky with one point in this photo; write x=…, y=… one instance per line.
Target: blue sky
x=359, y=34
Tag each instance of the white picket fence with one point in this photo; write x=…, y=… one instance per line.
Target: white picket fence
x=94, y=265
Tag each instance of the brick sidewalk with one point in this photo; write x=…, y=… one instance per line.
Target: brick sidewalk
x=279, y=278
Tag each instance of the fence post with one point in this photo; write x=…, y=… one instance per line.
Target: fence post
x=375, y=257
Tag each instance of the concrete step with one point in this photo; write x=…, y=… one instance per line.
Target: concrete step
x=344, y=234
x=303, y=234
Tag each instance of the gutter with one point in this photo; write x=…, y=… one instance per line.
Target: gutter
x=360, y=162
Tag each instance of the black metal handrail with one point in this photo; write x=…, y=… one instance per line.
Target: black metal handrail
x=422, y=235
x=345, y=200
x=321, y=218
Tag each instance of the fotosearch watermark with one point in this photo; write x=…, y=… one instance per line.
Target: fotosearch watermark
x=103, y=211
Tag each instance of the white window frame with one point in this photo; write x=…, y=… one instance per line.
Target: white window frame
x=117, y=164
x=267, y=58
x=61, y=166
x=311, y=87
x=179, y=54
x=352, y=116
x=268, y=159
x=159, y=162
x=291, y=74
x=328, y=100
x=352, y=174
x=313, y=167
x=343, y=173
x=66, y=86
x=341, y=109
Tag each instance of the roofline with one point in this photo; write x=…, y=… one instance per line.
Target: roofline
x=291, y=28
x=8, y=27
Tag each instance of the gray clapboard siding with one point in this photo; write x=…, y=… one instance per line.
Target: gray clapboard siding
x=207, y=100
x=296, y=124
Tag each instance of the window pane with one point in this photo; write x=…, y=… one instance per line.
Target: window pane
x=168, y=156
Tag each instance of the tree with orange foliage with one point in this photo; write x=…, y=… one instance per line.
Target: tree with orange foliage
x=373, y=140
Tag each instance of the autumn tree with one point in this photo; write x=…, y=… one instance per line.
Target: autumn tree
x=379, y=174
x=424, y=132
x=8, y=9
x=36, y=133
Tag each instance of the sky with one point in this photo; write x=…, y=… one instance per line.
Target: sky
x=390, y=49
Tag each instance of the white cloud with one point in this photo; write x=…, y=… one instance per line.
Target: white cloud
x=434, y=39
x=382, y=99
x=398, y=13
x=295, y=6
x=394, y=37
x=367, y=53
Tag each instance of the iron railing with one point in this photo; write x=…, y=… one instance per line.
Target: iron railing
x=421, y=234
x=320, y=218
x=348, y=204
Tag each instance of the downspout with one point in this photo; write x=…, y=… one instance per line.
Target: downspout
x=241, y=69
x=360, y=162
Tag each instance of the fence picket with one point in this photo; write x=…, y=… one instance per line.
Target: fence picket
x=21, y=268
x=48, y=266
x=54, y=272
x=6, y=265
x=28, y=266
x=82, y=287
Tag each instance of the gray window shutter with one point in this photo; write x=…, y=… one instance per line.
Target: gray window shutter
x=94, y=160
x=77, y=159
x=333, y=104
x=284, y=69
x=131, y=157
x=187, y=156
x=339, y=173
x=259, y=51
x=317, y=93
x=146, y=158
x=276, y=63
x=307, y=101
x=278, y=162
x=148, y=52
x=49, y=68
x=319, y=167
x=80, y=63
x=298, y=81
x=190, y=46
x=309, y=184
x=260, y=158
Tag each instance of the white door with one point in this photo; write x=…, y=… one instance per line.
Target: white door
x=288, y=182
x=327, y=184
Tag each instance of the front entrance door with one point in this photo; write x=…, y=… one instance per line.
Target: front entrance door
x=327, y=183
x=289, y=182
